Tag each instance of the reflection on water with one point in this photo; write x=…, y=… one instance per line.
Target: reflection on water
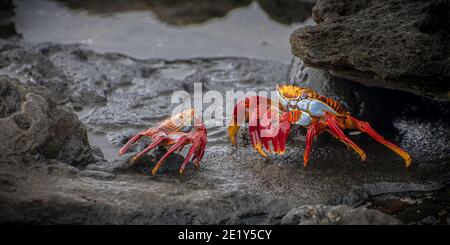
x=185, y=12
x=173, y=12
x=168, y=29
x=110, y=152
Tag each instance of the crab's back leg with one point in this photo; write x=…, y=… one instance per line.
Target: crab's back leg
x=157, y=141
x=195, y=144
x=353, y=123
x=180, y=143
x=334, y=128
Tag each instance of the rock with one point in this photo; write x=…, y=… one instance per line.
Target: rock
x=363, y=193
x=7, y=28
x=33, y=68
x=398, y=44
x=96, y=174
x=32, y=123
x=337, y=215
x=429, y=220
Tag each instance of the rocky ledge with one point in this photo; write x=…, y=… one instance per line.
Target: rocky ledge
x=398, y=44
x=32, y=125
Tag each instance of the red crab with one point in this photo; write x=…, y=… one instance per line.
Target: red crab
x=305, y=107
x=174, y=133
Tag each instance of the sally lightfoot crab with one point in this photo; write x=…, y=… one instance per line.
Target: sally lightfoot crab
x=270, y=121
x=174, y=133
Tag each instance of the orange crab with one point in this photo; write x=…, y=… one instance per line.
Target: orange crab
x=175, y=132
x=303, y=106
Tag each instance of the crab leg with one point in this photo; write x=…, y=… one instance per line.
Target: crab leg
x=130, y=142
x=158, y=140
x=314, y=130
x=173, y=148
x=201, y=152
x=234, y=126
x=191, y=152
x=334, y=129
x=254, y=133
x=353, y=123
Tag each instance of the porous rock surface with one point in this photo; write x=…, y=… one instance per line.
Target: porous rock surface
x=398, y=44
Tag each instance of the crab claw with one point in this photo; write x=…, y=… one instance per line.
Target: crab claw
x=266, y=126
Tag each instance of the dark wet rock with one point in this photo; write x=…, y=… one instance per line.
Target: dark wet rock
x=287, y=12
x=33, y=68
x=397, y=44
x=144, y=165
x=337, y=215
x=32, y=123
x=96, y=174
x=417, y=205
x=128, y=199
x=6, y=9
x=7, y=28
x=361, y=194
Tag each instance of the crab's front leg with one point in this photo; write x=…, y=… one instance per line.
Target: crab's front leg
x=313, y=130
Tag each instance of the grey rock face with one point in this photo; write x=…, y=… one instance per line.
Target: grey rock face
x=337, y=215
x=397, y=44
x=32, y=123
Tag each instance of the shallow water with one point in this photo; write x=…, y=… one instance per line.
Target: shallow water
x=135, y=29
x=110, y=152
